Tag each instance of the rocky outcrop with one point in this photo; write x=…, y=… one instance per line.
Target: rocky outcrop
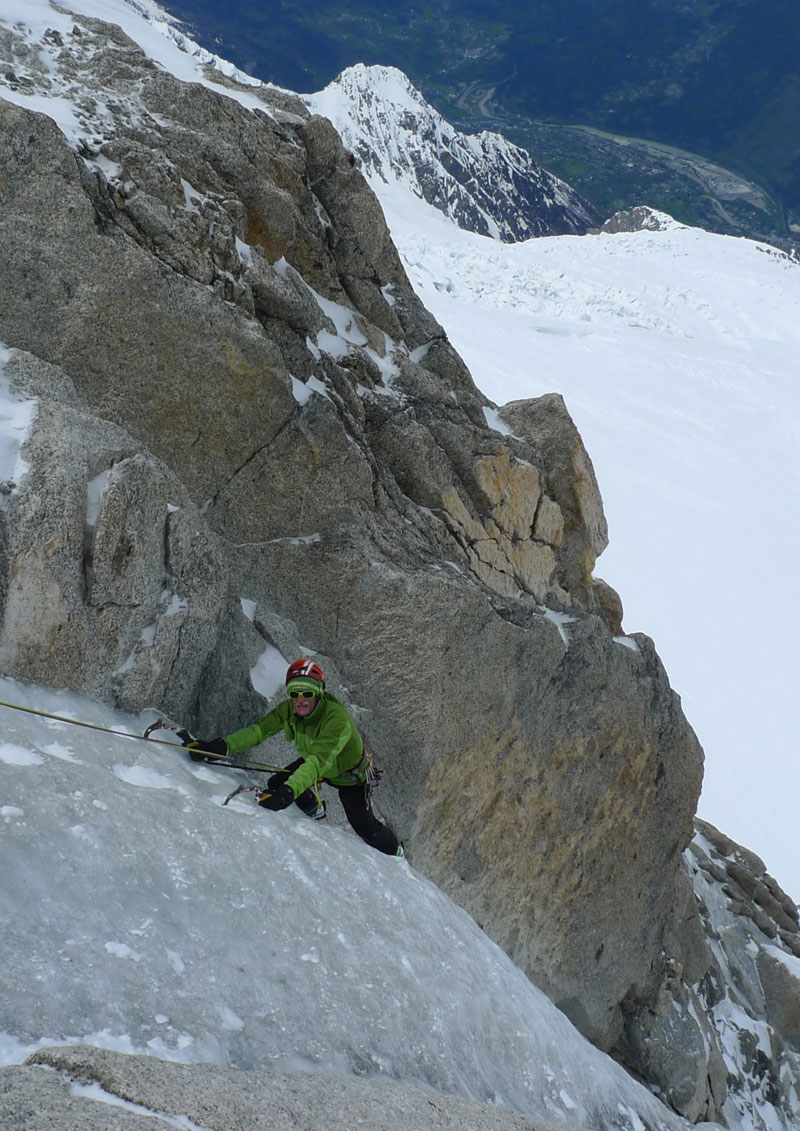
x=723, y=1038
x=241, y=399
x=90, y=1089
x=642, y=218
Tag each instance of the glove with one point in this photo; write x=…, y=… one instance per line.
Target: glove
x=212, y=745
x=280, y=798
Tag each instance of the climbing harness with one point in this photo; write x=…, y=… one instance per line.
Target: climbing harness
x=371, y=777
x=373, y=774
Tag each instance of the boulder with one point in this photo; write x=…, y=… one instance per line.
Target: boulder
x=570, y=482
x=89, y=1089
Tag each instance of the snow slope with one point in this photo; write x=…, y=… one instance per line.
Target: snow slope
x=677, y=354
x=141, y=914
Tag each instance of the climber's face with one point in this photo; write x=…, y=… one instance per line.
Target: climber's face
x=303, y=707
x=303, y=695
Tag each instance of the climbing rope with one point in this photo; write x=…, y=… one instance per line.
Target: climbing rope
x=222, y=759
x=80, y=723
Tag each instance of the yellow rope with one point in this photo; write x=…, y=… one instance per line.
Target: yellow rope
x=125, y=734
x=79, y=723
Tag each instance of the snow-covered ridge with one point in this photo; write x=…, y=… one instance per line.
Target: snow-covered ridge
x=482, y=182
x=33, y=75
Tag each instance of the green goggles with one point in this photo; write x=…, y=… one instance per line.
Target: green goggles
x=302, y=694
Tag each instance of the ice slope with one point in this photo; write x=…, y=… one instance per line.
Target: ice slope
x=139, y=913
x=677, y=354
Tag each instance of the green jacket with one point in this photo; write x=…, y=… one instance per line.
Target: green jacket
x=328, y=741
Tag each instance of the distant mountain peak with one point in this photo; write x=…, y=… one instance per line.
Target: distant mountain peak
x=482, y=182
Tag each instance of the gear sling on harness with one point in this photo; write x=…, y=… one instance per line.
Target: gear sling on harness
x=364, y=773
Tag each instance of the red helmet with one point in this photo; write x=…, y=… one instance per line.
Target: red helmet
x=305, y=669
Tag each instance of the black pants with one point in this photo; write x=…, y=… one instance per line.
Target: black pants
x=357, y=808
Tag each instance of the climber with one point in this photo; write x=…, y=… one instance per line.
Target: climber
x=331, y=750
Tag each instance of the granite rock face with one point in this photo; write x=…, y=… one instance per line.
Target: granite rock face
x=241, y=399
x=125, y=1093
x=112, y=581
